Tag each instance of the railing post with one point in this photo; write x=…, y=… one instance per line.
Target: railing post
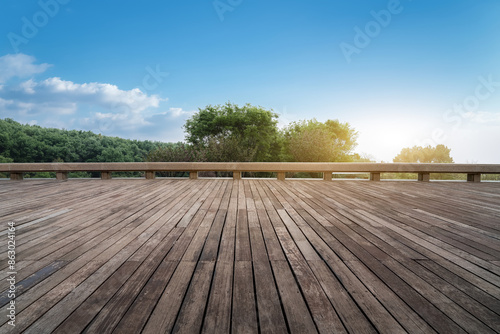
x=62, y=176
x=150, y=175
x=374, y=176
x=193, y=175
x=16, y=176
x=474, y=177
x=424, y=177
x=105, y=175
x=281, y=176
x=327, y=176
x=236, y=175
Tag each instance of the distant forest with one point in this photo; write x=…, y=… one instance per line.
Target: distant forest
x=32, y=143
x=222, y=133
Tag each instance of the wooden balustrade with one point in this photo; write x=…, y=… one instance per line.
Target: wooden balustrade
x=423, y=170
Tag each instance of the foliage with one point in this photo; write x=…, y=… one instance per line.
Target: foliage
x=175, y=152
x=217, y=149
x=228, y=149
x=32, y=143
x=5, y=160
x=221, y=133
x=355, y=157
x=232, y=133
x=490, y=177
x=313, y=141
x=428, y=154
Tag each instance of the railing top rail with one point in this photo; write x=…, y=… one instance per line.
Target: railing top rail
x=253, y=167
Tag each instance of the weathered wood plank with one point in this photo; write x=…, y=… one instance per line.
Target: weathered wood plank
x=271, y=318
x=244, y=314
x=163, y=317
x=218, y=315
x=297, y=314
x=191, y=314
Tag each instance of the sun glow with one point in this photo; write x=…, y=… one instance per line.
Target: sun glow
x=384, y=140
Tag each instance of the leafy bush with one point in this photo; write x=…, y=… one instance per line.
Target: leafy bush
x=245, y=133
x=313, y=141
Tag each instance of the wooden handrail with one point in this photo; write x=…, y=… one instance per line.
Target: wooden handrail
x=473, y=171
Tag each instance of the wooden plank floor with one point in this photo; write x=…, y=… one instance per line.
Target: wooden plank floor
x=250, y=256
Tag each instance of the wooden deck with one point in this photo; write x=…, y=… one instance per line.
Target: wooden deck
x=249, y=256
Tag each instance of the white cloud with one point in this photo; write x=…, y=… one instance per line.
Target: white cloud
x=105, y=95
x=28, y=86
x=177, y=112
x=19, y=65
x=57, y=96
x=54, y=96
x=4, y=103
x=94, y=106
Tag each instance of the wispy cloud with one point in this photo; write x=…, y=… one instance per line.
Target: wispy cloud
x=19, y=65
x=177, y=112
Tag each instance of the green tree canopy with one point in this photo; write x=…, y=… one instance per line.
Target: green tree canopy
x=428, y=154
x=32, y=143
x=245, y=133
x=176, y=152
x=314, y=141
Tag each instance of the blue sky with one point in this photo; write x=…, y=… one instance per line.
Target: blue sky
x=402, y=73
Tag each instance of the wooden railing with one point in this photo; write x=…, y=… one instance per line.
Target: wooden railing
x=473, y=171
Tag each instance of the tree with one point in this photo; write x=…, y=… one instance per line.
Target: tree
x=314, y=141
x=364, y=157
x=428, y=154
x=176, y=152
x=245, y=133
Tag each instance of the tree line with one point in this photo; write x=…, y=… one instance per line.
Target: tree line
x=230, y=133
x=216, y=133
x=32, y=143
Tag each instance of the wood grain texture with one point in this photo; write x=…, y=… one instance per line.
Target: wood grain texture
x=250, y=256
